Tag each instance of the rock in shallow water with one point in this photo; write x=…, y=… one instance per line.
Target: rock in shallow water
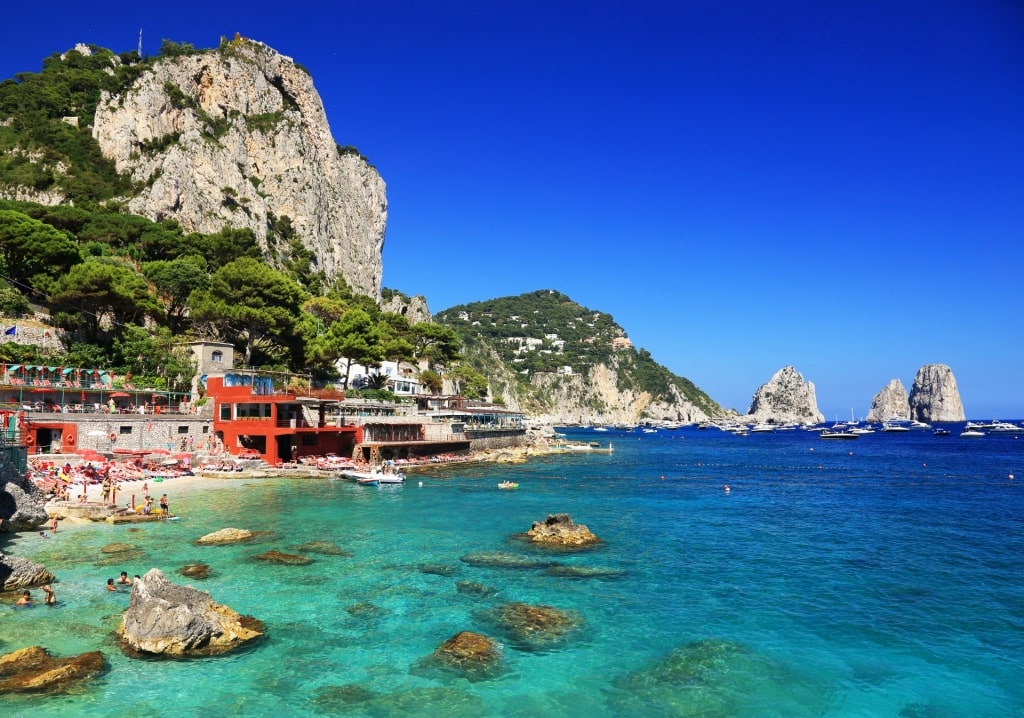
x=169, y=619
x=229, y=535
x=34, y=670
x=559, y=530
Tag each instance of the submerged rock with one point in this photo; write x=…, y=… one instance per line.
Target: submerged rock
x=115, y=548
x=288, y=559
x=559, y=530
x=195, y=570
x=503, y=559
x=229, y=535
x=564, y=571
x=325, y=548
x=34, y=670
x=437, y=569
x=475, y=589
x=169, y=619
x=535, y=627
x=20, y=573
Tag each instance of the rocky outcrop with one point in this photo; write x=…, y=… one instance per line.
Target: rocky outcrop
x=22, y=504
x=229, y=535
x=287, y=559
x=559, y=530
x=891, y=402
x=785, y=398
x=20, y=573
x=412, y=308
x=165, y=618
x=934, y=395
x=34, y=670
x=238, y=137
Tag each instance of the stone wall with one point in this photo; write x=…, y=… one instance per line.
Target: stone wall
x=497, y=439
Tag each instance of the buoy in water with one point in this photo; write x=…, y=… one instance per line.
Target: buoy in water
x=421, y=484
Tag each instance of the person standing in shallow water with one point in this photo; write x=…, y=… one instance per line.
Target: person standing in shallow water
x=163, y=505
x=51, y=597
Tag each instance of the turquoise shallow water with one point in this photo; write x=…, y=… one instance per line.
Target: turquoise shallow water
x=878, y=577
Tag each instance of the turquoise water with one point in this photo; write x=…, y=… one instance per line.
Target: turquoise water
x=877, y=577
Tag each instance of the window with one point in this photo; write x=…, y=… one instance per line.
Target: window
x=182, y=429
x=217, y=356
x=125, y=430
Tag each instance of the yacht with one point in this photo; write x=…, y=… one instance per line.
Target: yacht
x=893, y=425
x=971, y=433
x=1005, y=427
x=920, y=425
x=762, y=428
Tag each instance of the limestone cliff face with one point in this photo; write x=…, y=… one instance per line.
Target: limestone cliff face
x=414, y=308
x=934, y=395
x=785, y=398
x=597, y=399
x=890, y=402
x=237, y=137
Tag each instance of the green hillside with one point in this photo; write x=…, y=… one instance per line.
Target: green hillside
x=545, y=331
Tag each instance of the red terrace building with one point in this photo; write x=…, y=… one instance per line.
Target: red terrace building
x=250, y=419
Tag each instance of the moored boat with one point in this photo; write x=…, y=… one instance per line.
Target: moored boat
x=508, y=485
x=374, y=477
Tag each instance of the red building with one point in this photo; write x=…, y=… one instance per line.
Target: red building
x=251, y=418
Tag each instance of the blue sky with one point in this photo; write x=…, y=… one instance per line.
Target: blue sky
x=745, y=185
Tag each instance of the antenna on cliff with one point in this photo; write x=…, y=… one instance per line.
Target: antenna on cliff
x=140, y=43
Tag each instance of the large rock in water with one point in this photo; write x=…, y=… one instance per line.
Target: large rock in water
x=934, y=396
x=785, y=398
x=229, y=535
x=165, y=618
x=20, y=573
x=559, y=530
x=238, y=137
x=22, y=504
x=891, y=402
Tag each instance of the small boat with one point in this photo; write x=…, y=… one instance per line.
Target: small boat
x=862, y=430
x=374, y=477
x=940, y=432
x=508, y=485
x=920, y=425
x=971, y=433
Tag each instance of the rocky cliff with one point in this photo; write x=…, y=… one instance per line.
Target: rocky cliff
x=890, y=402
x=238, y=137
x=934, y=395
x=598, y=398
x=785, y=398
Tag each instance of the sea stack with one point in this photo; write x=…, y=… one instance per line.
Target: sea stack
x=934, y=396
x=890, y=403
x=785, y=398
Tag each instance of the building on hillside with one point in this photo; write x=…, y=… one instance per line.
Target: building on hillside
x=401, y=375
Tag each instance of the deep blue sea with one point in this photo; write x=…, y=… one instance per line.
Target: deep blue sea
x=877, y=577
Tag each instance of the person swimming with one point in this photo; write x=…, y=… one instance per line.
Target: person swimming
x=25, y=600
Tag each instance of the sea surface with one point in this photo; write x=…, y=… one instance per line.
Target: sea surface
x=877, y=577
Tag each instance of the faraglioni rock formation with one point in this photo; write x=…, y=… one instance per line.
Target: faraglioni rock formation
x=165, y=618
x=890, y=403
x=238, y=137
x=934, y=395
x=785, y=398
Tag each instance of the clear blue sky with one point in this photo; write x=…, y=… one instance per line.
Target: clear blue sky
x=743, y=185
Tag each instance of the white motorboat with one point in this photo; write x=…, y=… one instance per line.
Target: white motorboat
x=1005, y=427
x=920, y=425
x=894, y=425
x=762, y=428
x=969, y=433
x=374, y=477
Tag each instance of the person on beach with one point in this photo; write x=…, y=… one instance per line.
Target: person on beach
x=110, y=585
x=51, y=597
x=25, y=600
x=124, y=580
